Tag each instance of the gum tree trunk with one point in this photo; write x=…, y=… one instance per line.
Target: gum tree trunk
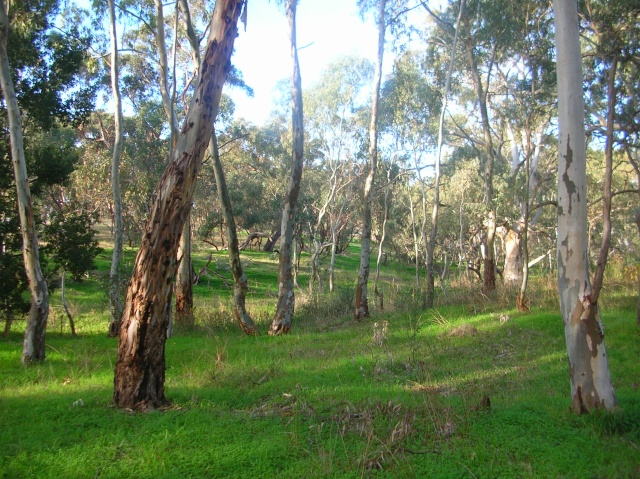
x=591, y=386
x=115, y=300
x=33, y=349
x=283, y=318
x=140, y=368
x=184, y=276
x=431, y=245
x=240, y=283
x=489, y=260
x=362, y=300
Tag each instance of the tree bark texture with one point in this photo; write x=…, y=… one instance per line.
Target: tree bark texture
x=140, y=369
x=33, y=349
x=513, y=258
x=115, y=300
x=240, y=282
x=591, y=386
x=283, y=317
x=362, y=300
x=184, y=278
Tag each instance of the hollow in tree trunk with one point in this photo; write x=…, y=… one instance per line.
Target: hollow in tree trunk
x=140, y=368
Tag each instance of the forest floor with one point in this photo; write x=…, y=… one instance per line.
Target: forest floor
x=469, y=389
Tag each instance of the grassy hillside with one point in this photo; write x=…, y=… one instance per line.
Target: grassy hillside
x=469, y=389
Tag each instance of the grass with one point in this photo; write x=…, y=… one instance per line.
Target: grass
x=327, y=400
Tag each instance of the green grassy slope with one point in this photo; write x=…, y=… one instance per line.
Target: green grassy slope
x=327, y=400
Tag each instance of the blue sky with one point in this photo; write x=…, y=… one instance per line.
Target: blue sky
x=330, y=28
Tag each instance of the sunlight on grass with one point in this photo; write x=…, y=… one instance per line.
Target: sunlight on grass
x=457, y=391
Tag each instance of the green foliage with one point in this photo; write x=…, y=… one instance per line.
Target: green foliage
x=70, y=242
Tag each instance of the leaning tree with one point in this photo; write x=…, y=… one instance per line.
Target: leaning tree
x=140, y=369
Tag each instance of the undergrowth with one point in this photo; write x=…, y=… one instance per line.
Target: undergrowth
x=471, y=388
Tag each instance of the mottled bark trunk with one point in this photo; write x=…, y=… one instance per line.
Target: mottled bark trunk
x=140, y=369
x=513, y=259
x=240, y=282
x=362, y=300
x=33, y=349
x=283, y=317
x=184, y=278
x=591, y=386
x=115, y=272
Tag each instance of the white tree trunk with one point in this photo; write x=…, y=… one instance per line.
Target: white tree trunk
x=591, y=386
x=115, y=301
x=283, y=317
x=34, y=335
x=362, y=300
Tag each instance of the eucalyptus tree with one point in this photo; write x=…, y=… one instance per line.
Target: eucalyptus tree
x=115, y=301
x=429, y=298
x=412, y=99
x=241, y=284
x=33, y=349
x=283, y=317
x=140, y=369
x=613, y=48
x=361, y=297
x=591, y=386
x=331, y=118
x=38, y=63
x=523, y=104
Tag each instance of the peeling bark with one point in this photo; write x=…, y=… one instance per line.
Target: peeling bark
x=283, y=317
x=33, y=349
x=362, y=300
x=513, y=261
x=591, y=386
x=140, y=369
